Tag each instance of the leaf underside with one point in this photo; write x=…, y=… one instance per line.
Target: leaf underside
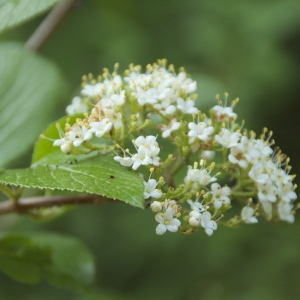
x=60, y=260
x=16, y=12
x=30, y=87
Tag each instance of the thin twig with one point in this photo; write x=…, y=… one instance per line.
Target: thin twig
x=49, y=23
x=24, y=205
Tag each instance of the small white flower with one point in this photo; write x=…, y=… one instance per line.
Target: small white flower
x=201, y=131
x=124, y=161
x=199, y=176
x=165, y=107
x=263, y=148
x=227, y=138
x=278, y=175
x=148, y=142
x=172, y=204
x=208, y=224
x=247, y=215
x=223, y=114
x=187, y=84
x=258, y=174
x=194, y=219
x=78, y=134
x=92, y=90
x=101, y=127
x=166, y=222
x=250, y=148
x=286, y=192
x=148, y=96
x=168, y=129
x=76, y=107
x=167, y=95
x=151, y=190
x=220, y=195
x=64, y=143
x=237, y=156
x=285, y=212
x=244, y=152
x=147, y=151
x=196, y=206
x=135, y=79
x=112, y=85
x=187, y=106
x=267, y=191
x=144, y=157
x=195, y=214
x=118, y=99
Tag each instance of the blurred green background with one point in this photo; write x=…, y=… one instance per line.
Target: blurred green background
x=250, y=49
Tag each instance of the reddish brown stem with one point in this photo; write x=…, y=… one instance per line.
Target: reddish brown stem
x=49, y=23
x=24, y=205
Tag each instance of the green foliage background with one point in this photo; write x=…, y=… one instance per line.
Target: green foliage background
x=247, y=48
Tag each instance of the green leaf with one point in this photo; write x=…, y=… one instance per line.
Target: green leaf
x=44, y=146
x=18, y=255
x=61, y=260
x=15, y=12
x=30, y=87
x=95, y=173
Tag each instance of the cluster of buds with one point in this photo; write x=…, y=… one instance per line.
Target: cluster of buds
x=145, y=116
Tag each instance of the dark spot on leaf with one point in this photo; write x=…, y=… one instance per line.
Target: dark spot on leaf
x=112, y=177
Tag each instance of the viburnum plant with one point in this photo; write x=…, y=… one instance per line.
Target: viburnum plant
x=140, y=138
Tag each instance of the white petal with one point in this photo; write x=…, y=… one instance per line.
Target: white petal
x=209, y=231
x=159, y=218
x=156, y=193
x=172, y=228
x=161, y=229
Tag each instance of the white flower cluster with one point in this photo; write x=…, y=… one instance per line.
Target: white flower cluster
x=200, y=216
x=162, y=89
x=264, y=167
x=159, y=87
x=131, y=107
x=147, y=150
x=103, y=117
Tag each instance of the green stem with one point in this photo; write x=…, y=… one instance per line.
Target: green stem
x=175, y=167
x=243, y=194
x=8, y=192
x=170, y=171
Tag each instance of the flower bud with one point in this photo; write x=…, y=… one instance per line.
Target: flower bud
x=156, y=206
